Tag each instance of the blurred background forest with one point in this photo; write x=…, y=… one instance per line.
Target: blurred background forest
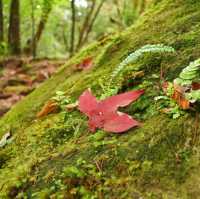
x=38, y=36
x=59, y=28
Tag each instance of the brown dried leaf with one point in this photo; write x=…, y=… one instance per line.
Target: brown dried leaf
x=49, y=107
x=179, y=97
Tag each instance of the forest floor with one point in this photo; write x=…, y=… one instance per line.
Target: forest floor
x=57, y=155
x=19, y=77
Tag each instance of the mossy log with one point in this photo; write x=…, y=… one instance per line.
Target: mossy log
x=50, y=158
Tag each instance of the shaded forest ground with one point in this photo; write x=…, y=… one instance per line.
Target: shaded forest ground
x=19, y=77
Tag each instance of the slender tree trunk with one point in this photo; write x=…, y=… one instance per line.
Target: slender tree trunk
x=142, y=6
x=85, y=24
x=1, y=22
x=33, y=29
x=139, y=6
x=65, y=39
x=41, y=27
x=32, y=43
x=119, y=13
x=135, y=4
x=92, y=22
x=14, y=28
x=73, y=26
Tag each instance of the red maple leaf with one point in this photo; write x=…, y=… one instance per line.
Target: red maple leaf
x=103, y=114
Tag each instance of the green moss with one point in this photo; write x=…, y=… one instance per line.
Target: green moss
x=50, y=157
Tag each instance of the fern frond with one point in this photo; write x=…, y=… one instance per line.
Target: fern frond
x=133, y=57
x=189, y=74
x=113, y=85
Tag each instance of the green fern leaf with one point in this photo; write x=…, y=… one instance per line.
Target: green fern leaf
x=189, y=74
x=133, y=57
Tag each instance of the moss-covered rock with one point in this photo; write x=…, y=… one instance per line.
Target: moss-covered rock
x=57, y=157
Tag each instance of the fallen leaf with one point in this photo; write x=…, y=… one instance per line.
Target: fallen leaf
x=179, y=97
x=85, y=64
x=6, y=103
x=49, y=107
x=103, y=114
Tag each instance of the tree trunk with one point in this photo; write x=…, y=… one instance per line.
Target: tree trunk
x=90, y=26
x=41, y=28
x=119, y=12
x=73, y=26
x=14, y=28
x=1, y=22
x=85, y=24
x=33, y=29
x=32, y=43
x=142, y=6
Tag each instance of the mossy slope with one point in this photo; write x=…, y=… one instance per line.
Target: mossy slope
x=48, y=157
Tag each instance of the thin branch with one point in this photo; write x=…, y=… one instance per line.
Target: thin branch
x=31, y=44
x=86, y=23
x=41, y=25
x=92, y=22
x=73, y=26
x=1, y=22
x=33, y=30
x=119, y=13
x=142, y=6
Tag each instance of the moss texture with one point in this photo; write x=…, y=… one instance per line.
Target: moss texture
x=50, y=158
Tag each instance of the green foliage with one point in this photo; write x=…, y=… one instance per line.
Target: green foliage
x=116, y=79
x=3, y=49
x=61, y=99
x=170, y=89
x=175, y=111
x=130, y=13
x=58, y=135
x=108, y=90
x=56, y=36
x=73, y=171
x=189, y=74
x=169, y=105
x=133, y=57
x=194, y=95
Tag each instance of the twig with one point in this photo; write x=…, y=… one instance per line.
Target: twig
x=92, y=22
x=85, y=24
x=73, y=26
